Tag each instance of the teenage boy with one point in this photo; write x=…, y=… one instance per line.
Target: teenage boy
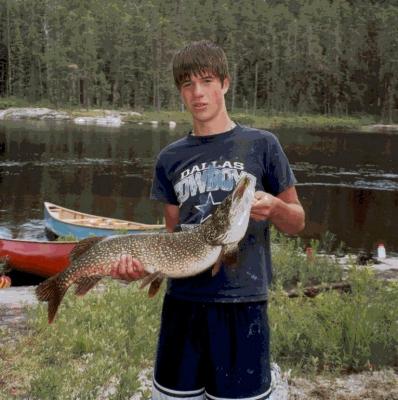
x=214, y=335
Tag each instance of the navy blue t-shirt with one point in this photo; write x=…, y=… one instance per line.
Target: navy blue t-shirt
x=196, y=173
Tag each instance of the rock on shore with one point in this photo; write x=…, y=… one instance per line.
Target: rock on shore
x=13, y=312
x=383, y=128
x=109, y=118
x=33, y=113
x=18, y=296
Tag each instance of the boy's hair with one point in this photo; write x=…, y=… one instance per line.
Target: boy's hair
x=197, y=58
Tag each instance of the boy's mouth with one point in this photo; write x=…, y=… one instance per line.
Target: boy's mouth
x=199, y=106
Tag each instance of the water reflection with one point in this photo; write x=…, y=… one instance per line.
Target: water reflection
x=365, y=177
x=347, y=181
x=92, y=169
x=360, y=218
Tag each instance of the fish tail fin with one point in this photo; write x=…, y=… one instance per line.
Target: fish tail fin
x=53, y=293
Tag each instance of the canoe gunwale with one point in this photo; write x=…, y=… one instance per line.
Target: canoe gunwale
x=128, y=225
x=38, y=241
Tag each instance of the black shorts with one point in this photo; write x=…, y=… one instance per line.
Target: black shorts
x=212, y=351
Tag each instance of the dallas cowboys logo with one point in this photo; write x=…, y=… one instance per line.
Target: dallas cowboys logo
x=206, y=207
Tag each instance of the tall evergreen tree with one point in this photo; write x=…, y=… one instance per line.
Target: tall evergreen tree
x=319, y=56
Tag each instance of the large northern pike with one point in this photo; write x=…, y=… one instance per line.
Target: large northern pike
x=175, y=255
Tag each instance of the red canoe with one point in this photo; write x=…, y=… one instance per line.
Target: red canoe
x=36, y=257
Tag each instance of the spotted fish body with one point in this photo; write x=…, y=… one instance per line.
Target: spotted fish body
x=174, y=255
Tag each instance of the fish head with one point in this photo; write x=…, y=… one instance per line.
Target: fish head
x=228, y=223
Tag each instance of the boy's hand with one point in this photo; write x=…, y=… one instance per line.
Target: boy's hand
x=127, y=268
x=262, y=206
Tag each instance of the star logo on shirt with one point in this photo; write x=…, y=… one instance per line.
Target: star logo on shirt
x=204, y=208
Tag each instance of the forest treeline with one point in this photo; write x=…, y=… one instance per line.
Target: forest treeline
x=306, y=56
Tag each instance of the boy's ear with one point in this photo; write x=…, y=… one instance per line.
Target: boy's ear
x=225, y=85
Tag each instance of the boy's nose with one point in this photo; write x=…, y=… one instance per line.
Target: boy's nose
x=197, y=90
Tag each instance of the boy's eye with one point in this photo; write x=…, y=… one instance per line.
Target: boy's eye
x=185, y=84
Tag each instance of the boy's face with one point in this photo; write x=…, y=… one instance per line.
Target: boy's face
x=203, y=95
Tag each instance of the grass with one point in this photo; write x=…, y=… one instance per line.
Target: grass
x=10, y=102
x=292, y=120
x=105, y=339
x=289, y=120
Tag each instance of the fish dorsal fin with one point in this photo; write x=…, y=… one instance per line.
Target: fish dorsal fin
x=82, y=246
x=85, y=284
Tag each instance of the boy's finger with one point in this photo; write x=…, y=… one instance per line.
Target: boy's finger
x=137, y=265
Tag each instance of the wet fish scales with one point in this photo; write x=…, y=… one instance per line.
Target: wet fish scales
x=162, y=255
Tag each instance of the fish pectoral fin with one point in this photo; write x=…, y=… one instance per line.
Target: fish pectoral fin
x=155, y=286
x=150, y=278
x=154, y=280
x=231, y=249
x=230, y=257
x=85, y=284
x=216, y=267
x=84, y=245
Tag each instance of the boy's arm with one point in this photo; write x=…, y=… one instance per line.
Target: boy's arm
x=284, y=210
x=171, y=216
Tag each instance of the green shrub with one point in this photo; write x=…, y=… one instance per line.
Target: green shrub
x=133, y=118
x=334, y=331
x=291, y=266
x=10, y=102
x=67, y=238
x=244, y=119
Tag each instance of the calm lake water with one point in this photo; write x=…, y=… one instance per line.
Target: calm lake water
x=348, y=182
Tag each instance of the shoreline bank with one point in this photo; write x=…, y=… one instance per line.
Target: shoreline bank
x=116, y=118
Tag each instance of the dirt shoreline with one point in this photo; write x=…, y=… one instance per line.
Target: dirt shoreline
x=372, y=385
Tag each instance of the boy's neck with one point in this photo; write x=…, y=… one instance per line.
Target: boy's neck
x=212, y=127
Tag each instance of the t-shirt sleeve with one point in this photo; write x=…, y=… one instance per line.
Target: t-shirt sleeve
x=162, y=187
x=278, y=173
